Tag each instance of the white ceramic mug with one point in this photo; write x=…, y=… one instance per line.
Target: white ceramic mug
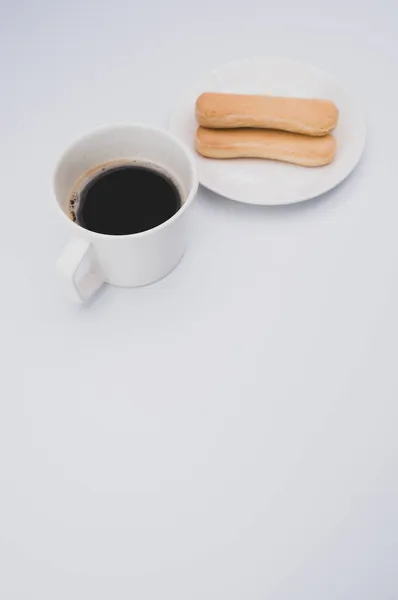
x=91, y=258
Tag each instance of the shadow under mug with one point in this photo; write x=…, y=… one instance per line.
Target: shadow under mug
x=91, y=259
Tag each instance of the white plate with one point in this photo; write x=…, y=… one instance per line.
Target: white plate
x=257, y=181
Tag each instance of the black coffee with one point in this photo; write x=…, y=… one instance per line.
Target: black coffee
x=126, y=199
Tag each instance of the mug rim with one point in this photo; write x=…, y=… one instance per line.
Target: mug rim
x=136, y=125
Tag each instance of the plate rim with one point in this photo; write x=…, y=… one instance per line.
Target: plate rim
x=270, y=58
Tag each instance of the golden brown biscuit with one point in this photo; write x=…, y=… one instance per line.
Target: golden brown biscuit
x=289, y=147
x=299, y=115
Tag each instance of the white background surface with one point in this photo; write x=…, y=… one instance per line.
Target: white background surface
x=231, y=431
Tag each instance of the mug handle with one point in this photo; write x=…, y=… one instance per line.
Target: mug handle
x=79, y=270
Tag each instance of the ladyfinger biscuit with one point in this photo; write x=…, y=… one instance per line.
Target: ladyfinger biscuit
x=299, y=115
x=262, y=143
